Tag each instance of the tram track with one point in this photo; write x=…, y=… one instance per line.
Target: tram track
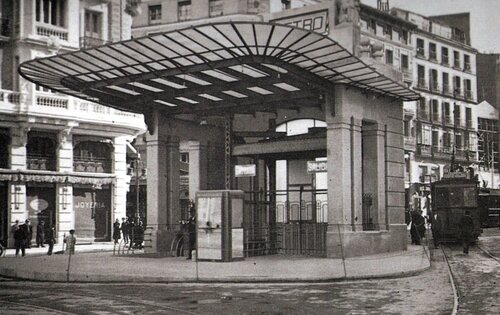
x=452, y=281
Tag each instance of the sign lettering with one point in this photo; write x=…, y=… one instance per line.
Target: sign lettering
x=316, y=166
x=248, y=170
x=314, y=21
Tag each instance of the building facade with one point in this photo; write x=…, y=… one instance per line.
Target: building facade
x=63, y=159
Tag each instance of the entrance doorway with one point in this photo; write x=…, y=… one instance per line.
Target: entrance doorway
x=92, y=213
x=4, y=217
x=41, y=204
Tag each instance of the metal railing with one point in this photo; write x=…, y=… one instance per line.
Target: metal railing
x=51, y=30
x=92, y=165
x=41, y=162
x=89, y=42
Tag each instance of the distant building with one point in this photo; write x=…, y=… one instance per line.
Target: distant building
x=62, y=159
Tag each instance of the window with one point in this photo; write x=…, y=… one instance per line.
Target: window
x=404, y=37
x=444, y=56
x=435, y=138
x=456, y=114
x=446, y=82
x=467, y=63
x=373, y=26
x=421, y=76
x=388, y=31
x=51, y=12
x=435, y=110
x=432, y=51
x=92, y=24
x=420, y=47
x=457, y=86
x=468, y=116
x=154, y=14
x=404, y=62
x=433, y=79
x=389, y=56
x=456, y=59
x=406, y=126
x=285, y=5
x=184, y=10
x=215, y=7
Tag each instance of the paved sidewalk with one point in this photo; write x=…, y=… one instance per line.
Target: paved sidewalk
x=96, y=263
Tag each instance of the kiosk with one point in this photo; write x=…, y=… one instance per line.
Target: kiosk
x=219, y=225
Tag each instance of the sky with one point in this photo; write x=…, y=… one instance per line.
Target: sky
x=485, y=17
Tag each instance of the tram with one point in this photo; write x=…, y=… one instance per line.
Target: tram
x=455, y=193
x=489, y=207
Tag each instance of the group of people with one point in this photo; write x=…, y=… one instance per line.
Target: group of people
x=417, y=229
x=132, y=232
x=23, y=235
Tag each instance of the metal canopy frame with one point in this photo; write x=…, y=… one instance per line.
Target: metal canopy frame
x=227, y=66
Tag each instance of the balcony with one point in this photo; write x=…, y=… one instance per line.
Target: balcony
x=468, y=123
x=423, y=115
x=92, y=165
x=89, y=42
x=432, y=56
x=424, y=150
x=445, y=61
x=410, y=143
x=460, y=123
x=457, y=93
x=436, y=118
x=447, y=90
x=467, y=67
x=434, y=87
x=468, y=95
x=41, y=162
x=442, y=152
x=447, y=120
x=422, y=84
x=420, y=52
x=48, y=30
x=456, y=64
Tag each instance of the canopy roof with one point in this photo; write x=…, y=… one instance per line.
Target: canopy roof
x=211, y=67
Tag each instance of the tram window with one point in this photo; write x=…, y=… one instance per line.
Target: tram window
x=456, y=196
x=470, y=199
x=441, y=198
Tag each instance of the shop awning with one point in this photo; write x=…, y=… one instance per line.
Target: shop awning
x=209, y=67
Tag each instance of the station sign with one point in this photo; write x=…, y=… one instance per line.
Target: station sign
x=316, y=21
x=248, y=170
x=316, y=167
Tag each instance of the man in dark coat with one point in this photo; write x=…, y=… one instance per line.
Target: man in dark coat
x=417, y=229
x=40, y=234
x=51, y=238
x=191, y=227
x=20, y=238
x=466, y=228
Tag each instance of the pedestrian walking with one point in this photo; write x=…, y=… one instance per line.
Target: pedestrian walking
x=40, y=234
x=70, y=241
x=51, y=238
x=466, y=228
x=29, y=235
x=125, y=230
x=436, y=229
x=116, y=231
x=191, y=227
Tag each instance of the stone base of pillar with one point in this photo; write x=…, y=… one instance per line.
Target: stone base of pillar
x=158, y=241
x=342, y=243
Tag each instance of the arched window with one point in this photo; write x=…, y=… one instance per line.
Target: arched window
x=41, y=151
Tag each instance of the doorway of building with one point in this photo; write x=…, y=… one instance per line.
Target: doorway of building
x=41, y=204
x=92, y=212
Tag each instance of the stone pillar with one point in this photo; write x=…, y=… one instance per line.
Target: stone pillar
x=121, y=186
x=157, y=191
x=357, y=176
x=163, y=209
x=198, y=167
x=65, y=215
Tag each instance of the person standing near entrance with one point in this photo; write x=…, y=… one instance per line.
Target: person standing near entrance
x=466, y=228
x=19, y=238
x=70, y=241
x=40, y=234
x=29, y=236
x=51, y=238
x=125, y=230
x=191, y=227
x=116, y=231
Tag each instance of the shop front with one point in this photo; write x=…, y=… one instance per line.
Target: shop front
x=92, y=208
x=41, y=206
x=4, y=212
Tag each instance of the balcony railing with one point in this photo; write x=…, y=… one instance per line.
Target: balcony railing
x=420, y=52
x=447, y=89
x=424, y=149
x=422, y=84
x=215, y=8
x=52, y=101
x=456, y=64
x=468, y=123
x=447, y=120
x=5, y=29
x=457, y=92
x=436, y=117
x=89, y=42
x=92, y=165
x=41, y=162
x=467, y=67
x=445, y=60
x=434, y=87
x=48, y=30
x=468, y=95
x=423, y=115
x=10, y=97
x=432, y=56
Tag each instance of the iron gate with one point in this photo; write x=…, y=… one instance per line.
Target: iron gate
x=278, y=222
